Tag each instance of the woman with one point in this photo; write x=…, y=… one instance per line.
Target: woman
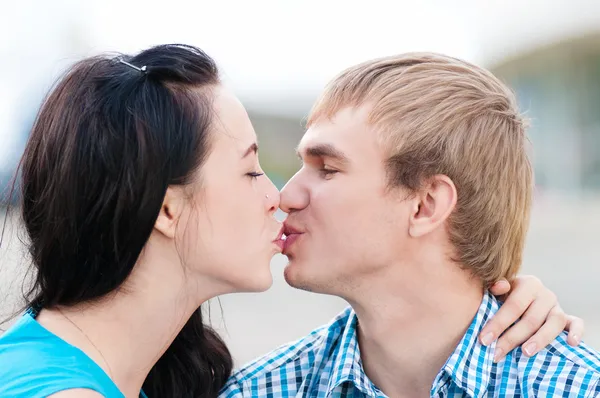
x=143, y=198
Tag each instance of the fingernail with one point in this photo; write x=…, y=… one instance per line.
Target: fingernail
x=487, y=339
x=530, y=349
x=576, y=339
x=497, y=354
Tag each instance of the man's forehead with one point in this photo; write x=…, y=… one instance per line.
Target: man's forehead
x=346, y=131
x=317, y=137
x=312, y=137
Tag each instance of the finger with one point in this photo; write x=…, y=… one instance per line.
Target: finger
x=554, y=325
x=525, y=328
x=500, y=288
x=576, y=328
x=514, y=307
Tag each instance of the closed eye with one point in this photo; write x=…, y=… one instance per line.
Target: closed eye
x=254, y=174
x=328, y=172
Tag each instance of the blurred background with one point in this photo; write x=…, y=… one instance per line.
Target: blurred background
x=278, y=55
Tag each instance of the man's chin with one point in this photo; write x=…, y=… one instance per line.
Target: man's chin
x=298, y=277
x=293, y=275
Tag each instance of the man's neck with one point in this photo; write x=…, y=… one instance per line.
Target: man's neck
x=409, y=326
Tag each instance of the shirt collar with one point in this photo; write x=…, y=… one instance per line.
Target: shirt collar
x=347, y=365
x=469, y=366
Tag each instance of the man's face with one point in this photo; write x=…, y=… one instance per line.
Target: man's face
x=343, y=224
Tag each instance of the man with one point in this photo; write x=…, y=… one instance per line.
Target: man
x=413, y=200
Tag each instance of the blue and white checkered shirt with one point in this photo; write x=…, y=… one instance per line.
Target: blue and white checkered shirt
x=326, y=363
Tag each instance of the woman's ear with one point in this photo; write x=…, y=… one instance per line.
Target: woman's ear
x=170, y=212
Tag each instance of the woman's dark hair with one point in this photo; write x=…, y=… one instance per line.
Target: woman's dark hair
x=107, y=142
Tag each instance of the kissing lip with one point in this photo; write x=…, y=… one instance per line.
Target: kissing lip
x=290, y=230
x=292, y=234
x=279, y=240
x=280, y=234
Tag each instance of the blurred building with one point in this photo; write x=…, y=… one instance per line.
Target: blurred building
x=558, y=86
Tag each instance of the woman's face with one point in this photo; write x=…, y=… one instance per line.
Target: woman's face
x=231, y=233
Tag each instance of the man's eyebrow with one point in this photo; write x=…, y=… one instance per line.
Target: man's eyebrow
x=252, y=148
x=323, y=151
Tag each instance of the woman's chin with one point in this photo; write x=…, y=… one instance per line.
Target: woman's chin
x=258, y=281
x=259, y=285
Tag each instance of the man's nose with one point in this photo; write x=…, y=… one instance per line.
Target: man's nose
x=294, y=195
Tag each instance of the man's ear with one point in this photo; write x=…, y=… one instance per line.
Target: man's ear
x=433, y=204
x=170, y=212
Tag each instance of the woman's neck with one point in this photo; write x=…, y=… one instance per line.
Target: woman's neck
x=127, y=332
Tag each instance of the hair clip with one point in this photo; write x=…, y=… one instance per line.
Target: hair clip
x=142, y=69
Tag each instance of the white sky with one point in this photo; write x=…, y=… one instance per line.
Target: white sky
x=270, y=50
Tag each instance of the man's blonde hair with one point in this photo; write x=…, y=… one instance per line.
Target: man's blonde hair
x=440, y=115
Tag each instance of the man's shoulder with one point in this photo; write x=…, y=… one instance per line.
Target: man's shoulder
x=298, y=357
x=557, y=369
x=560, y=357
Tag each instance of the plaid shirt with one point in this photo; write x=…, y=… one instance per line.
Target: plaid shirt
x=326, y=363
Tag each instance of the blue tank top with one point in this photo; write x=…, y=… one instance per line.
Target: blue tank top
x=35, y=363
